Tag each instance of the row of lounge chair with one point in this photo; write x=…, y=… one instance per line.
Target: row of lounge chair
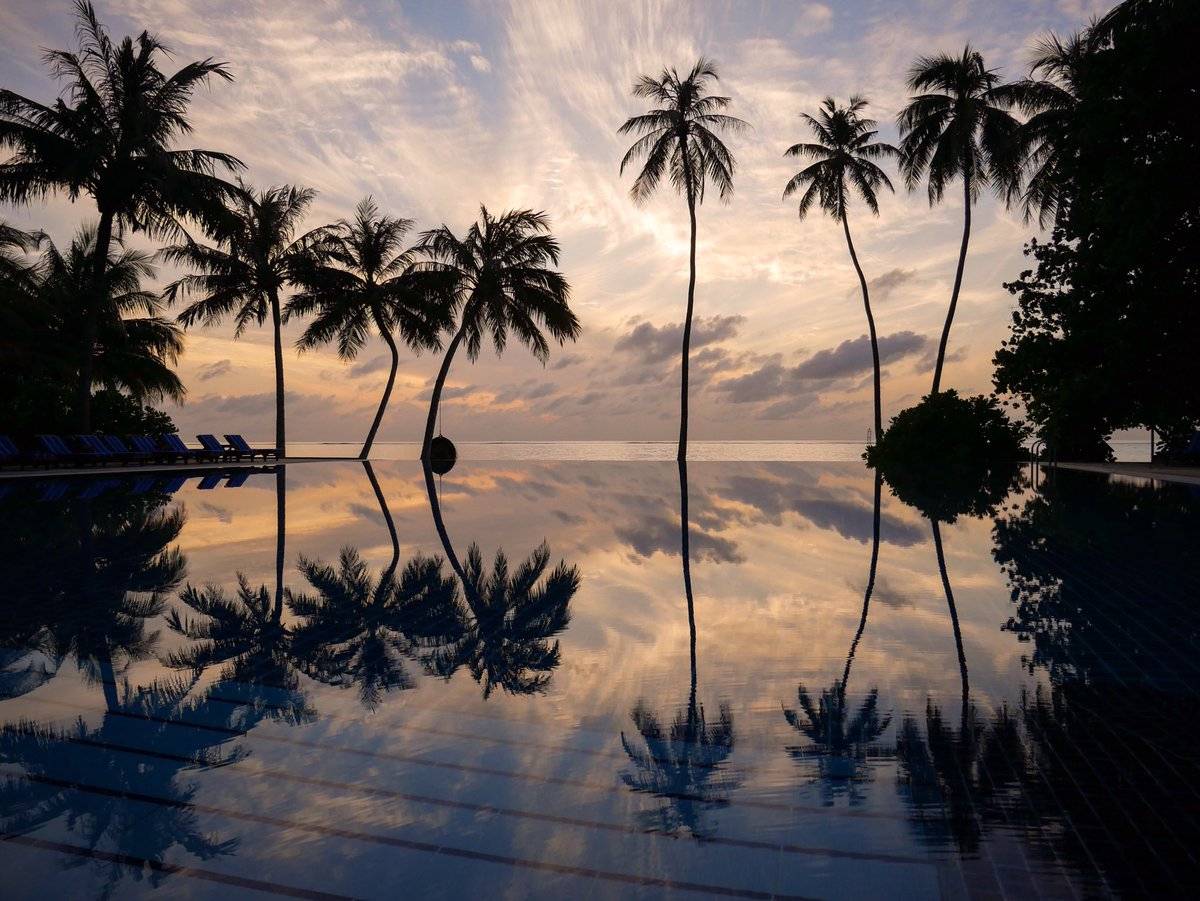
x=53, y=450
x=89, y=488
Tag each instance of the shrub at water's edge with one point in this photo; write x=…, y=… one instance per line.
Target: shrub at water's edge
x=950, y=455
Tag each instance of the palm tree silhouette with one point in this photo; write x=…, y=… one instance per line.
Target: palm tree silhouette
x=498, y=278
x=255, y=257
x=842, y=743
x=14, y=244
x=126, y=351
x=683, y=765
x=957, y=127
x=110, y=136
x=844, y=152
x=370, y=280
x=679, y=138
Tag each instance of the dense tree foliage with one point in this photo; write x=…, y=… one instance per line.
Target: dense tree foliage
x=1105, y=333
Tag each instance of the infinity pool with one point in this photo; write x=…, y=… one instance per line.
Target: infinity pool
x=325, y=683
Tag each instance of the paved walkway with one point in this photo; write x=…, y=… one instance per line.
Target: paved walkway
x=1189, y=475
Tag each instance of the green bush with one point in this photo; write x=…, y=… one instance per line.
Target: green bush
x=949, y=455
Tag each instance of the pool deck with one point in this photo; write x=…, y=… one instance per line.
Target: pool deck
x=123, y=468
x=1188, y=475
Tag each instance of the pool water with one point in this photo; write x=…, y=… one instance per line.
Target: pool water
x=542, y=681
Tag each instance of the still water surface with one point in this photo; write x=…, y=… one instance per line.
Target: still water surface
x=300, y=685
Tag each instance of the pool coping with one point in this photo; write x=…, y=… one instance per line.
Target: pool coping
x=1188, y=475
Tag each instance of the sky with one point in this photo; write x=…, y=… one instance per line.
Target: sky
x=434, y=108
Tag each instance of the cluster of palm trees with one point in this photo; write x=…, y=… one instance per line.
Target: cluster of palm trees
x=111, y=136
x=958, y=125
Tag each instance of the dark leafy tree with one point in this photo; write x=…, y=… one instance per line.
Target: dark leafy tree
x=499, y=278
x=958, y=127
x=844, y=165
x=679, y=137
x=369, y=280
x=256, y=257
x=111, y=136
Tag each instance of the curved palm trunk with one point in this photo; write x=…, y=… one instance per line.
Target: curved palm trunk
x=687, y=323
x=435, y=507
x=685, y=553
x=962, y=261
x=862, y=621
x=280, y=537
x=387, y=518
x=862, y=280
x=387, y=391
x=280, y=438
x=436, y=398
x=958, y=642
x=91, y=323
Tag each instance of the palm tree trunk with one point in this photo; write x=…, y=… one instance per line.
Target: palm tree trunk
x=280, y=439
x=862, y=280
x=436, y=397
x=91, y=322
x=958, y=642
x=435, y=507
x=280, y=536
x=862, y=621
x=962, y=261
x=685, y=553
x=387, y=517
x=387, y=391
x=687, y=323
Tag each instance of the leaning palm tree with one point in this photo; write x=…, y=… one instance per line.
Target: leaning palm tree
x=679, y=138
x=370, y=280
x=256, y=256
x=499, y=277
x=958, y=126
x=110, y=136
x=844, y=155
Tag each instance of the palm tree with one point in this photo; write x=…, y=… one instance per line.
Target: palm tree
x=257, y=255
x=370, y=280
x=110, y=136
x=844, y=152
x=499, y=278
x=126, y=351
x=14, y=244
x=958, y=127
x=679, y=137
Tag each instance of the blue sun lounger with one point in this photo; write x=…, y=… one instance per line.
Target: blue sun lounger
x=238, y=479
x=210, y=482
x=242, y=446
x=213, y=446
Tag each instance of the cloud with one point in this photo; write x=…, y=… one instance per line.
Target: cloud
x=853, y=356
x=373, y=365
x=884, y=285
x=213, y=370
x=653, y=343
x=660, y=534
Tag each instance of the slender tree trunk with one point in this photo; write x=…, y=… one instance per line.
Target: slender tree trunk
x=435, y=507
x=387, y=391
x=436, y=398
x=687, y=322
x=862, y=621
x=685, y=553
x=387, y=518
x=91, y=322
x=280, y=438
x=862, y=280
x=958, y=642
x=280, y=537
x=958, y=274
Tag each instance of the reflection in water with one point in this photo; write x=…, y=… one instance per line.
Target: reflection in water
x=842, y=743
x=683, y=765
x=507, y=622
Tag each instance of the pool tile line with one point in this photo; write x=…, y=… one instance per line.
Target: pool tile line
x=426, y=847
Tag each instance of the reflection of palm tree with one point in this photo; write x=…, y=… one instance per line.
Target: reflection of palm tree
x=683, y=766
x=133, y=752
x=958, y=642
x=507, y=621
x=842, y=744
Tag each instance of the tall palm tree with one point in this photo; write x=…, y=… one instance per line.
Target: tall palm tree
x=369, y=279
x=122, y=349
x=499, y=277
x=958, y=126
x=110, y=136
x=844, y=155
x=679, y=137
x=256, y=256
x=14, y=244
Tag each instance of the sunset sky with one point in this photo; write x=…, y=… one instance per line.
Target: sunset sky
x=436, y=107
